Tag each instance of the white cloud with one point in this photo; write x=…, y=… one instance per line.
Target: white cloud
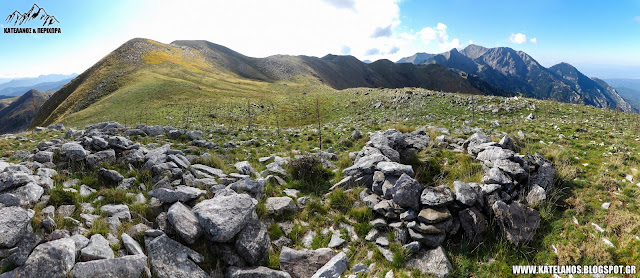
x=518, y=38
x=637, y=19
x=427, y=34
x=534, y=40
x=439, y=34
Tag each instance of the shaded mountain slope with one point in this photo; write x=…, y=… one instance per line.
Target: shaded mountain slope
x=18, y=115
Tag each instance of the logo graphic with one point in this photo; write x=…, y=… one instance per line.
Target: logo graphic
x=34, y=13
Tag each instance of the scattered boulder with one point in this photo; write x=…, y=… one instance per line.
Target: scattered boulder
x=254, y=188
x=518, y=222
x=132, y=246
x=13, y=225
x=126, y=266
x=432, y=262
x=97, y=249
x=52, y=259
x=180, y=193
x=304, y=263
x=252, y=243
x=244, y=168
x=185, y=222
x=536, y=195
x=280, y=205
x=73, y=151
x=110, y=176
x=334, y=267
x=222, y=217
x=170, y=259
x=255, y=272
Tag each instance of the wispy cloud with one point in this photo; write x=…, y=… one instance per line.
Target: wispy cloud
x=637, y=19
x=534, y=40
x=342, y=4
x=372, y=51
x=382, y=32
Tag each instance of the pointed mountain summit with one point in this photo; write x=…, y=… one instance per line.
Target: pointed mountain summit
x=417, y=58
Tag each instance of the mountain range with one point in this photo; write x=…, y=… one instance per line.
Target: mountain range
x=508, y=71
x=43, y=87
x=31, y=81
x=187, y=72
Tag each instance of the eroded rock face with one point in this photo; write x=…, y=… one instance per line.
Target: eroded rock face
x=170, y=259
x=304, y=263
x=518, y=222
x=222, y=217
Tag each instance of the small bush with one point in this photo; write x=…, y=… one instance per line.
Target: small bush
x=275, y=231
x=60, y=197
x=309, y=175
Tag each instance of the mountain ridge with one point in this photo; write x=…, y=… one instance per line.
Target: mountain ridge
x=181, y=61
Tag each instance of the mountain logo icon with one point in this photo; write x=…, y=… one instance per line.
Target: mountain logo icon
x=35, y=13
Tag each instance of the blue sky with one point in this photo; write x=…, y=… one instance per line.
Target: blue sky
x=600, y=38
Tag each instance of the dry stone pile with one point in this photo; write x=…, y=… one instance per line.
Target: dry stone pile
x=423, y=217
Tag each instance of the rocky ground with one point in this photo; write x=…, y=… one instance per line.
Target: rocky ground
x=193, y=203
x=158, y=201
